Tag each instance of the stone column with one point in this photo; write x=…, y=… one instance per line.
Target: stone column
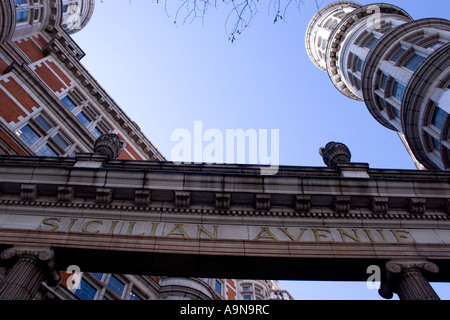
x=31, y=268
x=408, y=280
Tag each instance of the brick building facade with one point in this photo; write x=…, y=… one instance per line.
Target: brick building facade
x=51, y=106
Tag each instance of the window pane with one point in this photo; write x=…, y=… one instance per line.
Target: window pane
x=435, y=44
x=398, y=54
x=436, y=144
x=86, y=291
x=371, y=43
x=68, y=102
x=414, y=62
x=46, y=151
x=359, y=65
x=438, y=118
x=98, y=275
x=218, y=286
x=247, y=297
x=43, y=123
x=96, y=132
x=60, y=140
x=383, y=81
x=28, y=135
x=116, y=285
x=21, y=16
x=134, y=296
x=36, y=14
x=398, y=91
x=396, y=112
x=83, y=118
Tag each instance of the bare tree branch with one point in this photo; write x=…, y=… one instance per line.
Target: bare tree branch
x=240, y=16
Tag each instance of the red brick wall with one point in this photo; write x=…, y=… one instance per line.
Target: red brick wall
x=20, y=94
x=44, y=71
x=3, y=66
x=231, y=290
x=31, y=49
x=9, y=110
x=131, y=154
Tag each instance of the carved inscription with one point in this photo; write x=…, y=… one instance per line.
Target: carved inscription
x=203, y=231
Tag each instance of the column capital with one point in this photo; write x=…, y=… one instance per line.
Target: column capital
x=398, y=266
x=407, y=278
x=44, y=256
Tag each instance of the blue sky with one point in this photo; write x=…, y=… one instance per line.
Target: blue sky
x=165, y=76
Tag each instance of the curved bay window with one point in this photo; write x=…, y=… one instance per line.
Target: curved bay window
x=28, y=13
x=437, y=132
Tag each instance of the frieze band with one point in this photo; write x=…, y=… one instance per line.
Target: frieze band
x=241, y=232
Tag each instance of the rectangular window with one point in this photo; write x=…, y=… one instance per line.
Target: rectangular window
x=134, y=296
x=414, y=62
x=21, y=15
x=398, y=91
x=69, y=103
x=434, y=44
x=359, y=65
x=96, y=132
x=219, y=286
x=28, y=135
x=436, y=143
x=116, y=285
x=383, y=81
x=46, y=151
x=36, y=14
x=43, y=123
x=438, y=118
x=371, y=42
x=60, y=141
x=98, y=275
x=247, y=297
x=396, y=112
x=398, y=55
x=86, y=291
x=83, y=118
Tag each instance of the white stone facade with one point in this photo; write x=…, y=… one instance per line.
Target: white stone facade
x=398, y=66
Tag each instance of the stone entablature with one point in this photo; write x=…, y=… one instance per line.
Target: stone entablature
x=92, y=182
x=139, y=217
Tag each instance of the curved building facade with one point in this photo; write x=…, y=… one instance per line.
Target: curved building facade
x=397, y=65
